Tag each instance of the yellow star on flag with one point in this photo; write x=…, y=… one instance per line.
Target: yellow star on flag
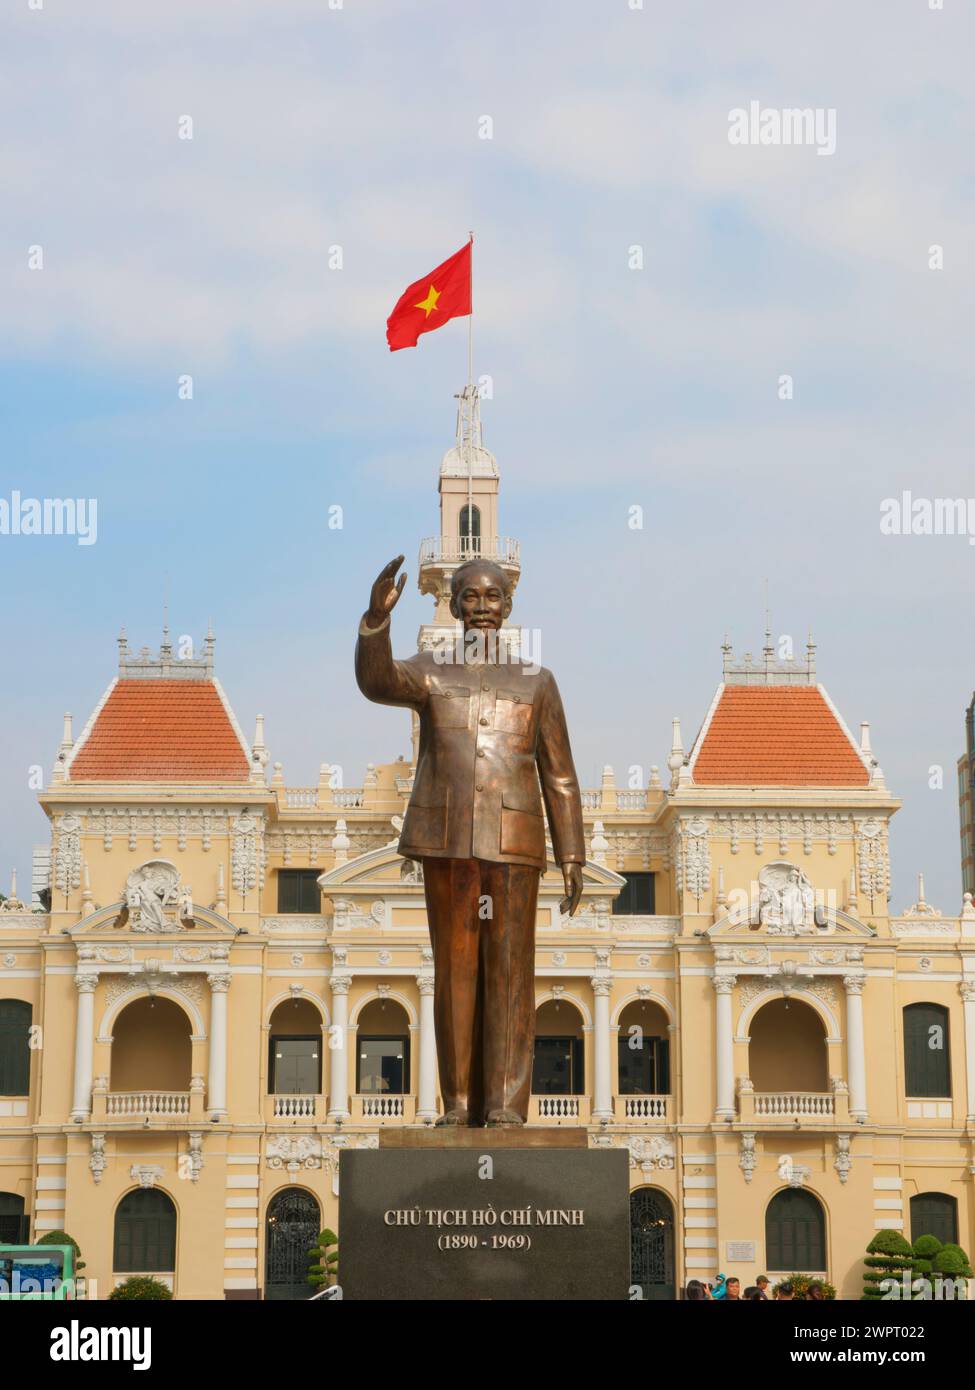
x=430, y=303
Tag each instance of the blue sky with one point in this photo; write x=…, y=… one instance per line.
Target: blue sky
x=359, y=127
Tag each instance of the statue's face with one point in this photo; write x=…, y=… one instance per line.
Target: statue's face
x=482, y=603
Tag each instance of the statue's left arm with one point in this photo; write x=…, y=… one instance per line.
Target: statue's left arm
x=560, y=789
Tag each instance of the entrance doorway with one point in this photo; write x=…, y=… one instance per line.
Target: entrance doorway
x=652, y=1243
x=293, y=1224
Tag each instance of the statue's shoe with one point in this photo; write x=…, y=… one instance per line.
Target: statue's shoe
x=497, y=1119
x=454, y=1117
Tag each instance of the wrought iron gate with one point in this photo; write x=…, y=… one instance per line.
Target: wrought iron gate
x=652, y=1243
x=293, y=1224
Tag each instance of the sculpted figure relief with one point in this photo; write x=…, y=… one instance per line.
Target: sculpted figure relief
x=148, y=891
x=786, y=897
x=493, y=746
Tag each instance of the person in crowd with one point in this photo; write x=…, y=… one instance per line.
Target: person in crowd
x=733, y=1290
x=761, y=1283
x=785, y=1293
x=815, y=1292
x=696, y=1291
x=754, y=1295
x=719, y=1288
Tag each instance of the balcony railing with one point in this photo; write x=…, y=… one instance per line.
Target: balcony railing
x=450, y=549
x=642, y=1109
x=295, y=1107
x=559, y=1109
x=384, y=1108
x=165, y=1105
x=788, y=1105
x=300, y=797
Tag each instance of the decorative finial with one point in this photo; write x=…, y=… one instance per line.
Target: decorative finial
x=676, y=760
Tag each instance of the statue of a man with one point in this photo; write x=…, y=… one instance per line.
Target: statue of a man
x=490, y=731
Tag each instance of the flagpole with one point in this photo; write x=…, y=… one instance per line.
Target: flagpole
x=470, y=407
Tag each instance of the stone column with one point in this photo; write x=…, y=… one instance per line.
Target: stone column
x=725, y=1054
x=338, y=1108
x=426, y=1105
x=84, y=1047
x=856, y=1059
x=219, y=983
x=602, y=1100
x=967, y=988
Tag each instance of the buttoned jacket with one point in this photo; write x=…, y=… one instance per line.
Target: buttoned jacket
x=490, y=733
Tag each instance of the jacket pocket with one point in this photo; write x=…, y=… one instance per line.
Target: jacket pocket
x=450, y=707
x=425, y=827
x=522, y=826
x=513, y=712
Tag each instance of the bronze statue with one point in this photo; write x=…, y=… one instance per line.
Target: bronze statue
x=490, y=730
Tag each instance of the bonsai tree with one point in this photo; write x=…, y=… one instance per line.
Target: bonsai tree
x=952, y=1263
x=62, y=1238
x=925, y=1249
x=141, y=1286
x=888, y=1256
x=324, y=1271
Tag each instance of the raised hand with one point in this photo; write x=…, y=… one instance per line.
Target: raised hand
x=385, y=594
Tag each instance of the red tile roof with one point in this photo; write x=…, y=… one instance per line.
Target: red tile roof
x=161, y=731
x=777, y=736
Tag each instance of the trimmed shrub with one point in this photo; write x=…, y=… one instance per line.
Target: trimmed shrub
x=800, y=1285
x=141, y=1286
x=926, y=1247
x=888, y=1256
x=62, y=1238
x=324, y=1256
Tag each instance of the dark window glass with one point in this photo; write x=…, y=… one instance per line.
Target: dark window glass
x=636, y=896
x=145, y=1233
x=926, y=1062
x=296, y=1066
x=557, y=1068
x=15, y=1016
x=644, y=1066
x=934, y=1214
x=383, y=1066
x=13, y=1223
x=795, y=1234
x=470, y=544
x=298, y=890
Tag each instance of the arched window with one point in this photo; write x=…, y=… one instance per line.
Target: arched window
x=559, y=1063
x=652, y=1243
x=15, y=1016
x=927, y=1066
x=13, y=1222
x=470, y=534
x=293, y=1226
x=934, y=1214
x=145, y=1233
x=795, y=1233
x=383, y=1049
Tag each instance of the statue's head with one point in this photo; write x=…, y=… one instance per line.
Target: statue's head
x=480, y=595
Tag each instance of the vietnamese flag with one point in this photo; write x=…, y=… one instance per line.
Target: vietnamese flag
x=443, y=294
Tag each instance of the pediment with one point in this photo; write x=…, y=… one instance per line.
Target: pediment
x=386, y=868
x=104, y=922
x=837, y=923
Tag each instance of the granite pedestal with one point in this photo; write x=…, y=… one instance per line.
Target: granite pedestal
x=482, y=1215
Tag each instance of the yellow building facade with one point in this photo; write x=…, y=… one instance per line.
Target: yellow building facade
x=225, y=980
